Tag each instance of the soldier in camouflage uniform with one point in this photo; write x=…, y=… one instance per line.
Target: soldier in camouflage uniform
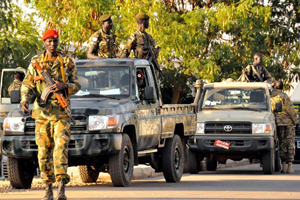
x=285, y=122
x=52, y=130
x=16, y=84
x=141, y=84
x=257, y=72
x=142, y=44
x=103, y=42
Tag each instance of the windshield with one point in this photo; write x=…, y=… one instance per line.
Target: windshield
x=103, y=81
x=235, y=98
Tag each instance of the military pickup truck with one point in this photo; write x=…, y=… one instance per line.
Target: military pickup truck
x=116, y=125
x=235, y=121
x=7, y=77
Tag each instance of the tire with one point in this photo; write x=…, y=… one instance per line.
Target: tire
x=173, y=159
x=88, y=174
x=278, y=163
x=268, y=161
x=121, y=164
x=211, y=164
x=194, y=162
x=20, y=173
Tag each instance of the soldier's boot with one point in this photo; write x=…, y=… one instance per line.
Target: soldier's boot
x=49, y=192
x=61, y=191
x=284, y=167
x=290, y=168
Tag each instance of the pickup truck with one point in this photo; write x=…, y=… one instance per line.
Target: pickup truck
x=7, y=77
x=235, y=121
x=113, y=127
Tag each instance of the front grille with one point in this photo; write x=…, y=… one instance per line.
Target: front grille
x=233, y=143
x=220, y=127
x=78, y=125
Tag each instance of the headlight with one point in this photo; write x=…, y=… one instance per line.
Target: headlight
x=200, y=128
x=261, y=128
x=14, y=124
x=97, y=122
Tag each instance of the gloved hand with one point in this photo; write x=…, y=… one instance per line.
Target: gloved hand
x=24, y=107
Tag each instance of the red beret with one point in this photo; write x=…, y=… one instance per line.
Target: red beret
x=140, y=74
x=51, y=33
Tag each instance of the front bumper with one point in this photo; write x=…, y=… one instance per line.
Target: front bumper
x=84, y=145
x=237, y=144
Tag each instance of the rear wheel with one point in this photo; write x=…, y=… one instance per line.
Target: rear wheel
x=121, y=164
x=277, y=162
x=173, y=159
x=194, y=162
x=88, y=174
x=211, y=164
x=268, y=160
x=20, y=172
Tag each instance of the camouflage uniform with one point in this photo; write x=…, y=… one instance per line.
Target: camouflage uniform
x=52, y=121
x=139, y=42
x=285, y=121
x=16, y=85
x=261, y=70
x=104, y=44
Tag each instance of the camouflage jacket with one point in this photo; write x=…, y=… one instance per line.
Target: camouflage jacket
x=288, y=116
x=52, y=109
x=258, y=74
x=139, y=42
x=104, y=45
x=16, y=85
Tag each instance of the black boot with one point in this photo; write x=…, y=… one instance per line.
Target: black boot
x=61, y=191
x=49, y=192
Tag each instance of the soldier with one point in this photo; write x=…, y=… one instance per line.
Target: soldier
x=285, y=122
x=257, y=72
x=52, y=129
x=103, y=42
x=142, y=44
x=141, y=84
x=16, y=84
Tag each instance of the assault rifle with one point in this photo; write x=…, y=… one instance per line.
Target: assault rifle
x=48, y=79
x=151, y=56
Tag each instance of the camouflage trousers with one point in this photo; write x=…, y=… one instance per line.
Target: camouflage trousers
x=52, y=139
x=286, y=136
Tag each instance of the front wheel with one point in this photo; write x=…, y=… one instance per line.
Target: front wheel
x=121, y=164
x=20, y=173
x=268, y=161
x=173, y=159
x=88, y=174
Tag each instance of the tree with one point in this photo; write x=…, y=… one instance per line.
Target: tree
x=18, y=37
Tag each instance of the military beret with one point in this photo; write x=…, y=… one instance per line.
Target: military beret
x=140, y=74
x=104, y=17
x=142, y=16
x=51, y=33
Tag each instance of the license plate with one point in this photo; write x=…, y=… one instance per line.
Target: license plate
x=298, y=144
x=222, y=144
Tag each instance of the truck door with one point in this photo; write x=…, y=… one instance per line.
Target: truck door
x=149, y=122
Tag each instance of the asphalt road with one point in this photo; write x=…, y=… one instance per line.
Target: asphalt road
x=242, y=182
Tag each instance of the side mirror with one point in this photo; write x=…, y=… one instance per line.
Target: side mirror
x=278, y=107
x=15, y=96
x=149, y=93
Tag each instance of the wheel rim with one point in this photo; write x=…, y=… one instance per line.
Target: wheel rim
x=177, y=158
x=126, y=159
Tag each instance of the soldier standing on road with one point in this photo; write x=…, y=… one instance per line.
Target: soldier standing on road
x=103, y=42
x=285, y=122
x=142, y=44
x=52, y=129
x=256, y=72
x=16, y=84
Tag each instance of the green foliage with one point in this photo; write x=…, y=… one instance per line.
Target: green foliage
x=18, y=36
